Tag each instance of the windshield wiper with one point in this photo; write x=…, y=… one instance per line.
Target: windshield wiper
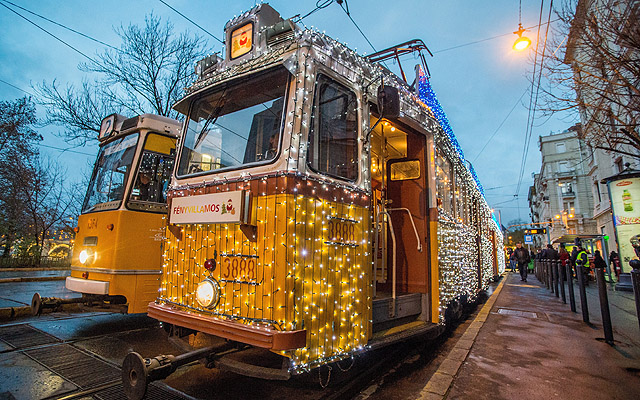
x=211, y=120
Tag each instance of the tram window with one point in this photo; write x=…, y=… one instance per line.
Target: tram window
x=405, y=170
x=237, y=125
x=444, y=184
x=107, y=185
x=333, y=137
x=154, y=172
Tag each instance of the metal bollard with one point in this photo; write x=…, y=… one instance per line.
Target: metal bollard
x=635, y=281
x=556, y=276
x=572, y=298
x=546, y=272
x=561, y=278
x=550, y=268
x=604, y=306
x=583, y=293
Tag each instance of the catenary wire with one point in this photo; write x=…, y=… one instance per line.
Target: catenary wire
x=500, y=126
x=17, y=88
x=61, y=25
x=48, y=33
x=535, y=102
x=527, y=135
x=190, y=20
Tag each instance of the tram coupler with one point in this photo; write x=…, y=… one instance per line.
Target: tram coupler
x=138, y=372
x=38, y=304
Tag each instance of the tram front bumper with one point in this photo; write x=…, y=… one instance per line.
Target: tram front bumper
x=86, y=286
x=256, y=336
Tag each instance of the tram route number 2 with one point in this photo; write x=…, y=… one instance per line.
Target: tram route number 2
x=342, y=231
x=239, y=269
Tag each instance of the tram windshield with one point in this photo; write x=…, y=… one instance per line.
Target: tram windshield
x=154, y=172
x=110, y=174
x=239, y=124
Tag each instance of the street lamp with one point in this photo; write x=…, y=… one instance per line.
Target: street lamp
x=522, y=42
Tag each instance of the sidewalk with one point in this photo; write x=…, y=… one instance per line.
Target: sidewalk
x=17, y=287
x=526, y=344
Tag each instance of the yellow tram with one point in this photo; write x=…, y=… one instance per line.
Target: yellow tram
x=117, y=252
x=306, y=215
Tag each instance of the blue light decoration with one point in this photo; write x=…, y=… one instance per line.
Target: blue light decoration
x=428, y=96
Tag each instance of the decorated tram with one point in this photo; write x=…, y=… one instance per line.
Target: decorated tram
x=320, y=206
x=117, y=252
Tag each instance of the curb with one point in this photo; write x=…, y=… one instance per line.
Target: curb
x=33, y=279
x=34, y=269
x=442, y=379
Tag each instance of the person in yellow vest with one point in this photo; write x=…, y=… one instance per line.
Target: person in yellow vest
x=582, y=258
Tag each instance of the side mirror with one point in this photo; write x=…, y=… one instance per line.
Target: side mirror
x=388, y=102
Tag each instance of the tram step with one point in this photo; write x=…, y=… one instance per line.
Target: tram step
x=407, y=305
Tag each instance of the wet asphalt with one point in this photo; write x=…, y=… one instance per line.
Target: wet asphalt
x=397, y=372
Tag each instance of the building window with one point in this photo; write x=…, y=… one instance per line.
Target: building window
x=596, y=187
x=560, y=148
x=563, y=166
x=569, y=207
x=567, y=189
x=619, y=165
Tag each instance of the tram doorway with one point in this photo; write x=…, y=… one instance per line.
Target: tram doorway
x=399, y=191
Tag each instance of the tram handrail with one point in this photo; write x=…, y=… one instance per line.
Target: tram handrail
x=412, y=224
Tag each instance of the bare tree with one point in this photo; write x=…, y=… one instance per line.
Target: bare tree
x=146, y=74
x=592, y=62
x=46, y=201
x=17, y=139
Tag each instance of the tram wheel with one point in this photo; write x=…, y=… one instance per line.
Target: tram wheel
x=134, y=376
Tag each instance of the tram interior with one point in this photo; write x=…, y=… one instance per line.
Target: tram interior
x=398, y=182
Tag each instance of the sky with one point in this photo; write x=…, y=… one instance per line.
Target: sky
x=477, y=84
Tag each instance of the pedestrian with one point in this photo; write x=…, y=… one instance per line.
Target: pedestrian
x=572, y=259
x=523, y=258
x=615, y=264
x=582, y=259
x=513, y=261
x=563, y=255
x=598, y=261
x=551, y=253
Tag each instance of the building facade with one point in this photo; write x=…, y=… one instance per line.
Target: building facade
x=561, y=198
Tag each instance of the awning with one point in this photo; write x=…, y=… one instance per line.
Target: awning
x=572, y=238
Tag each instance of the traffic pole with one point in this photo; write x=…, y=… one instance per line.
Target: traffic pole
x=583, y=293
x=572, y=298
x=604, y=306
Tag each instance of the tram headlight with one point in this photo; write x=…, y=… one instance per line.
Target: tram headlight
x=84, y=256
x=208, y=293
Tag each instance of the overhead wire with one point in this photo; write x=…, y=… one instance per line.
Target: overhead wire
x=47, y=32
x=320, y=4
x=535, y=102
x=61, y=25
x=500, y=126
x=17, y=88
x=190, y=20
x=527, y=135
x=346, y=10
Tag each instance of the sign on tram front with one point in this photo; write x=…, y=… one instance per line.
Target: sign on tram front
x=214, y=208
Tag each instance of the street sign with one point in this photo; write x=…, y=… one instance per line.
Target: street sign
x=528, y=239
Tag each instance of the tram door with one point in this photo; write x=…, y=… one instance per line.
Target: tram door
x=407, y=207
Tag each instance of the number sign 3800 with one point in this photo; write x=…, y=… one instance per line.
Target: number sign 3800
x=342, y=231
